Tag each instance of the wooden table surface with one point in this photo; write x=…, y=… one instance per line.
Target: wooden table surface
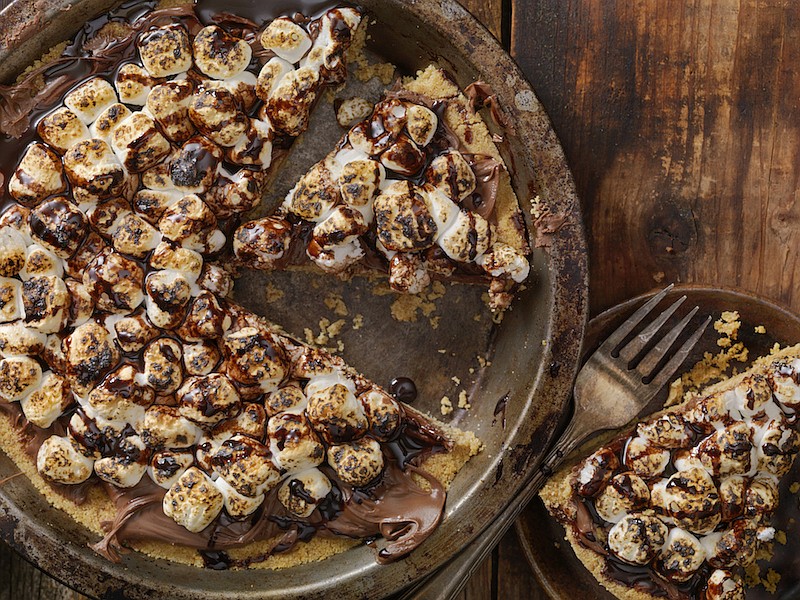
x=680, y=120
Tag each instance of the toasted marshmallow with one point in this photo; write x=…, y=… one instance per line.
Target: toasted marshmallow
x=286, y=39
x=637, y=538
x=46, y=403
x=93, y=167
x=291, y=99
x=336, y=28
x=108, y=121
x=12, y=251
x=421, y=123
x=314, y=195
x=358, y=462
x=16, y=339
x=270, y=76
x=205, y=320
x=138, y=143
x=668, y=431
x=128, y=464
x=45, y=301
x=16, y=217
x=335, y=414
x=194, y=168
x=729, y=451
x=90, y=354
x=383, y=413
x=176, y=258
x=723, y=585
x=216, y=280
x=39, y=175
x=243, y=86
x=162, y=365
x=135, y=237
x=251, y=421
x=302, y=492
x=403, y=157
x=193, y=501
x=625, y=493
x=217, y=115
x=731, y=496
x=121, y=396
x=504, y=261
x=237, y=506
x=403, y=218
x=164, y=427
x=690, y=497
x=312, y=363
x=165, y=50
x=255, y=356
x=644, y=458
x=168, y=293
x=77, y=264
x=191, y=223
x=785, y=384
x=115, y=282
x=62, y=129
x=451, y=173
x=58, y=461
x=133, y=84
x=58, y=226
x=209, y=399
x=777, y=447
x=360, y=180
x=761, y=497
x=733, y=547
x=368, y=139
x=289, y=398
x=168, y=103
x=335, y=259
x=294, y=445
x=595, y=472
x=255, y=146
x=105, y=217
x=352, y=110
x=90, y=99
x=237, y=193
x=219, y=54
x=342, y=226
x=681, y=556
x=245, y=464
x=263, y=242
x=11, y=306
x=167, y=466
x=19, y=376
x=467, y=238
x=40, y=262
x=408, y=274
x=134, y=332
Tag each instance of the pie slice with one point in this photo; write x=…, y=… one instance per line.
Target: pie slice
x=417, y=190
x=133, y=393
x=679, y=506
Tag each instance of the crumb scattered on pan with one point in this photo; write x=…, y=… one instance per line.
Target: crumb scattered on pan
x=760, y=329
x=358, y=321
x=272, y=293
x=463, y=401
x=445, y=406
x=335, y=303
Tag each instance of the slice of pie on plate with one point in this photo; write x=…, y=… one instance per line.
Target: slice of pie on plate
x=134, y=395
x=679, y=506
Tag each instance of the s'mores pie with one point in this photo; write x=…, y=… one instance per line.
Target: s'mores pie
x=125, y=368
x=680, y=505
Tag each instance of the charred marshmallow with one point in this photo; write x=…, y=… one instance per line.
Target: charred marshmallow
x=39, y=175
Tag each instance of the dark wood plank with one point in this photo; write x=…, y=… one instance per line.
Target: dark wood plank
x=679, y=120
x=479, y=586
x=20, y=580
x=515, y=580
x=488, y=12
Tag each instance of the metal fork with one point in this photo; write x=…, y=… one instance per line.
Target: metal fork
x=611, y=389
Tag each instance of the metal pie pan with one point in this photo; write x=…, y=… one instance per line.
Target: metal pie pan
x=533, y=352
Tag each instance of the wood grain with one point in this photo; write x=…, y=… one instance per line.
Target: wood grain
x=679, y=120
x=488, y=12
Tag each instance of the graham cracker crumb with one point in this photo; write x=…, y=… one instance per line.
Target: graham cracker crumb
x=335, y=303
x=795, y=487
x=780, y=537
x=358, y=321
x=455, y=380
x=771, y=581
x=272, y=293
x=760, y=329
x=445, y=405
x=463, y=402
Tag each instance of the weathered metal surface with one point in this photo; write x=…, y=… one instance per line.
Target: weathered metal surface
x=533, y=352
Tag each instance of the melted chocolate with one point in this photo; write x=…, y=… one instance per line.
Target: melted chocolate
x=403, y=389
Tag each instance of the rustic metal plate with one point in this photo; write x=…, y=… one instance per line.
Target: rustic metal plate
x=554, y=563
x=533, y=352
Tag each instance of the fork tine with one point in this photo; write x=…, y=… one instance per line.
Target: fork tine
x=616, y=338
x=635, y=346
x=659, y=351
x=674, y=363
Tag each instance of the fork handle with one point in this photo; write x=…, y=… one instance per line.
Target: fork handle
x=451, y=578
